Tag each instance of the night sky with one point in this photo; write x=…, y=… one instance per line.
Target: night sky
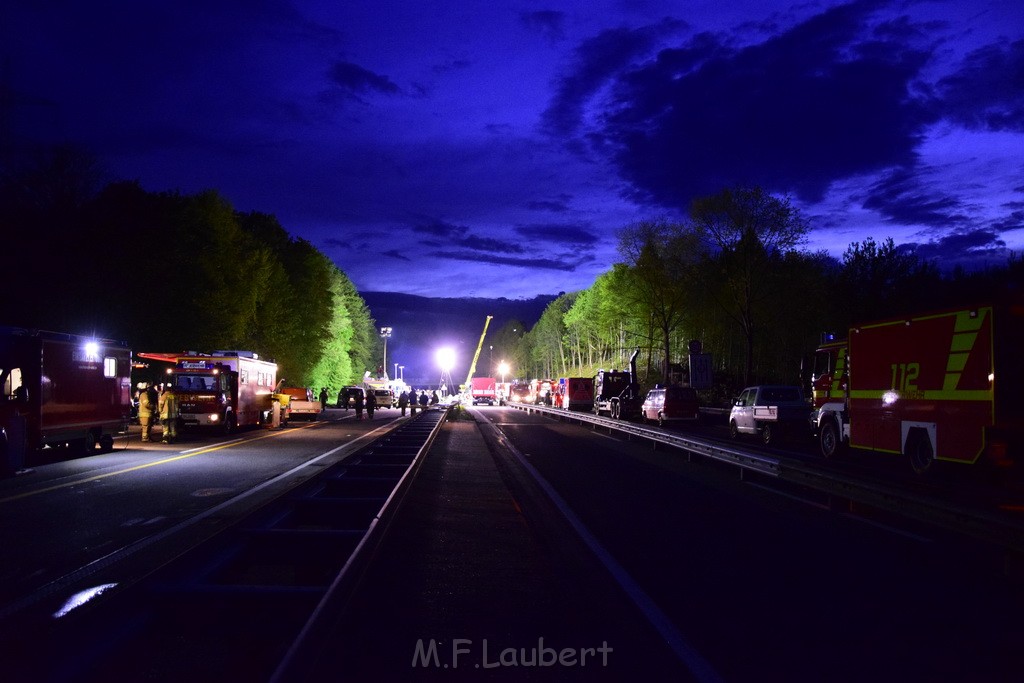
x=489, y=148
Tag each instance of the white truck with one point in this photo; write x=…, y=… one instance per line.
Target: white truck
x=301, y=404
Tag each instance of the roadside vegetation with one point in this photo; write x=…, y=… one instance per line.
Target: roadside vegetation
x=169, y=272
x=735, y=277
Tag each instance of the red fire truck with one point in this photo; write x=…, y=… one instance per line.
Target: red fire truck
x=225, y=389
x=519, y=392
x=932, y=387
x=483, y=390
x=60, y=390
x=575, y=393
x=541, y=391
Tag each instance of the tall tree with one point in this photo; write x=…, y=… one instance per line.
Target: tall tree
x=882, y=280
x=747, y=229
x=661, y=259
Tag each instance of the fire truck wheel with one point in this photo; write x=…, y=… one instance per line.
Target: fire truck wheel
x=230, y=425
x=829, y=438
x=86, y=445
x=919, y=451
x=106, y=443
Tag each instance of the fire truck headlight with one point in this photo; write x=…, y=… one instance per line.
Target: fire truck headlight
x=890, y=397
x=213, y=417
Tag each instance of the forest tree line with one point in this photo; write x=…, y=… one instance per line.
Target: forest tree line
x=734, y=276
x=169, y=272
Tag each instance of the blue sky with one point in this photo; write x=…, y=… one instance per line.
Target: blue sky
x=491, y=149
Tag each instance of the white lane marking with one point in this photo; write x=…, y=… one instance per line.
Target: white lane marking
x=687, y=653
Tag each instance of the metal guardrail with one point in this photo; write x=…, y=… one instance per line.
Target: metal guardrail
x=764, y=464
x=1005, y=531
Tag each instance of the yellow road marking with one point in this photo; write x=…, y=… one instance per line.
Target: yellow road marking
x=162, y=461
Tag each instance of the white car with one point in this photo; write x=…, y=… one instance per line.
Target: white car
x=770, y=411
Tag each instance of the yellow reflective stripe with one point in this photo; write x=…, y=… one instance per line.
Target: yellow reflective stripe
x=965, y=323
x=927, y=395
x=957, y=361
x=963, y=342
x=965, y=333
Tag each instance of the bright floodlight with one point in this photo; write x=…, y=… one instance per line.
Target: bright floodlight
x=503, y=368
x=446, y=359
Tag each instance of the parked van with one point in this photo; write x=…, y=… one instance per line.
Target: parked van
x=347, y=397
x=665, y=404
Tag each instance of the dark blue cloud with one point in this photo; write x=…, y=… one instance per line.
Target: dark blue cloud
x=825, y=100
x=356, y=79
x=567, y=263
x=900, y=197
x=969, y=249
x=394, y=253
x=448, y=235
x=555, y=206
x=558, y=233
x=987, y=91
x=597, y=60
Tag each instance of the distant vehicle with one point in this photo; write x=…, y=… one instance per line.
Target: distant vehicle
x=302, y=405
x=347, y=399
x=669, y=404
x=483, y=390
x=770, y=411
x=60, y=390
x=519, y=392
x=617, y=393
x=542, y=391
x=574, y=393
x=385, y=398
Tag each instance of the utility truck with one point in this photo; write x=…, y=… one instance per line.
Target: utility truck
x=60, y=390
x=617, y=393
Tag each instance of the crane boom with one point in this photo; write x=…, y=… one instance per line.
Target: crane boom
x=480, y=345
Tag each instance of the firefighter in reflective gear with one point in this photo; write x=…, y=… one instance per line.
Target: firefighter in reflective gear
x=169, y=414
x=145, y=410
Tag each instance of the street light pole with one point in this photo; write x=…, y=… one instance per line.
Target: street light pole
x=503, y=369
x=385, y=332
